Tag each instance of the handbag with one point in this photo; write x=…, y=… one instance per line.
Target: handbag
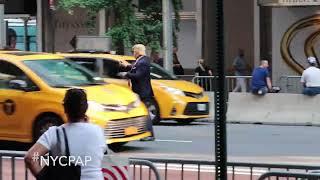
x=61, y=169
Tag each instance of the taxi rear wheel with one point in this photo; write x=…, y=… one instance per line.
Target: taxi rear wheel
x=154, y=111
x=43, y=124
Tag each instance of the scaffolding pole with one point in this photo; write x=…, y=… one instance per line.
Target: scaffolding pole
x=167, y=34
x=2, y=25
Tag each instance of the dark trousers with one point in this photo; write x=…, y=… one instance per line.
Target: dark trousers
x=311, y=91
x=146, y=101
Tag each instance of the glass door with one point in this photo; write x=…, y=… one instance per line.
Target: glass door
x=21, y=32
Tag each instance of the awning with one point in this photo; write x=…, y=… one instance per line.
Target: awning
x=289, y=2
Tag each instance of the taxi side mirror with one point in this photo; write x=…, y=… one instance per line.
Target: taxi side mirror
x=18, y=84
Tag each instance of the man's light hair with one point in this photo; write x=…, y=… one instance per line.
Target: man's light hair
x=264, y=62
x=200, y=60
x=139, y=48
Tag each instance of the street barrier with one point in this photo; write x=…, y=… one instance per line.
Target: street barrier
x=280, y=108
x=277, y=175
x=290, y=84
x=12, y=167
x=142, y=164
x=208, y=83
x=197, y=169
x=185, y=77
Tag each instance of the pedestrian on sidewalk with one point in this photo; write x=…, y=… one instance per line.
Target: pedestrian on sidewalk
x=240, y=68
x=204, y=70
x=140, y=80
x=177, y=67
x=311, y=78
x=155, y=56
x=85, y=140
x=261, y=82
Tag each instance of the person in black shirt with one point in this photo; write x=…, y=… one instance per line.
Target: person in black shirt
x=203, y=70
x=177, y=67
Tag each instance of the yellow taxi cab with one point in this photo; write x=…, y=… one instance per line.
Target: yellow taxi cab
x=32, y=88
x=175, y=99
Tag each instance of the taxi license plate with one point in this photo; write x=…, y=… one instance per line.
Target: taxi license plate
x=131, y=130
x=201, y=107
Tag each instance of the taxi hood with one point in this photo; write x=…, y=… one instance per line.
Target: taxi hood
x=108, y=94
x=179, y=84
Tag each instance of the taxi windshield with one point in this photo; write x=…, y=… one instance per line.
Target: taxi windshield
x=158, y=72
x=63, y=73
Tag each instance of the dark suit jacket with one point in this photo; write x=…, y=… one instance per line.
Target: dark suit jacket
x=140, y=78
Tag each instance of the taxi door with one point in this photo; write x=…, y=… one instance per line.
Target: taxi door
x=10, y=124
x=15, y=105
x=111, y=68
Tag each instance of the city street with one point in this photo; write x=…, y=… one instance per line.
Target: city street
x=109, y=69
x=246, y=143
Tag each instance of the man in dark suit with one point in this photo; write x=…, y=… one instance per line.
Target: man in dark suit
x=140, y=79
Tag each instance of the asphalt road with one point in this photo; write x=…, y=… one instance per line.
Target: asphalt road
x=246, y=143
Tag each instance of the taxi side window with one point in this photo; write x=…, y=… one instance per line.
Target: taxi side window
x=89, y=63
x=9, y=72
x=111, y=68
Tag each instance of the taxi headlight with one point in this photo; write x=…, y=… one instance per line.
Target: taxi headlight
x=173, y=91
x=95, y=106
x=106, y=107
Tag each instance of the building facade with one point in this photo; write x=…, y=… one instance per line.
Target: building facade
x=196, y=39
x=261, y=28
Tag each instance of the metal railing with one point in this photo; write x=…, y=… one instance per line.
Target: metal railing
x=144, y=164
x=12, y=167
x=196, y=169
x=185, y=77
x=208, y=83
x=290, y=84
x=277, y=175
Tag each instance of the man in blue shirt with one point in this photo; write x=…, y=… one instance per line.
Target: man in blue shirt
x=261, y=82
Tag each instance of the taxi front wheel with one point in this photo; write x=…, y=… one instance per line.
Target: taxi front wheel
x=116, y=147
x=185, y=121
x=43, y=124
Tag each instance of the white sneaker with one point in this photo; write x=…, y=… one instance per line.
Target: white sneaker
x=260, y=92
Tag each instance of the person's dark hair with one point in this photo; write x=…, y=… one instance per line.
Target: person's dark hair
x=241, y=52
x=75, y=104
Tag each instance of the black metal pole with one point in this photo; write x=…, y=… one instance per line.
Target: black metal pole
x=220, y=99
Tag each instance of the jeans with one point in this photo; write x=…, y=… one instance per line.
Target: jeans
x=260, y=91
x=241, y=83
x=311, y=91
